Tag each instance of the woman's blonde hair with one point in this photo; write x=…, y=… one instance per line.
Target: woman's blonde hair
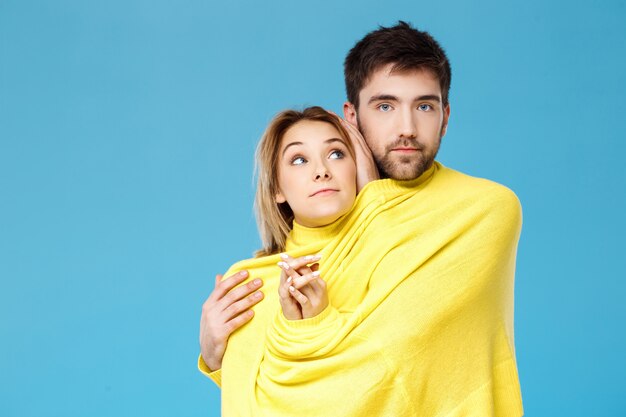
x=275, y=220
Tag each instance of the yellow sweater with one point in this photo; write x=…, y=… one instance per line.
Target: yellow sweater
x=420, y=280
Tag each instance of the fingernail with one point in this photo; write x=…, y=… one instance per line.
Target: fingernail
x=292, y=288
x=313, y=258
x=243, y=273
x=257, y=294
x=284, y=256
x=283, y=265
x=257, y=282
x=316, y=273
x=288, y=280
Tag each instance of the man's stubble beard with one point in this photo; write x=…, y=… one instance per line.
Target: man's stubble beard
x=405, y=167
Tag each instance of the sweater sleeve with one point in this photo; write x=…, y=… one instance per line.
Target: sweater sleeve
x=216, y=376
x=306, y=338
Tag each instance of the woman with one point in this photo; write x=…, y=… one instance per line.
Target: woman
x=306, y=179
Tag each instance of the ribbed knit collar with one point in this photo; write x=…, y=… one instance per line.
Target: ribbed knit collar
x=301, y=236
x=390, y=186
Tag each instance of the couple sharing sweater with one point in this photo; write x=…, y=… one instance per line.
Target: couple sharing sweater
x=420, y=281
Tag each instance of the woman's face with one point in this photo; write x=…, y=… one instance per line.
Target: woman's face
x=316, y=173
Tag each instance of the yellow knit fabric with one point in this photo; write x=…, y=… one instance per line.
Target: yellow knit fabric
x=420, y=280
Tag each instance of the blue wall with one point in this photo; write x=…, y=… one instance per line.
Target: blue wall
x=127, y=131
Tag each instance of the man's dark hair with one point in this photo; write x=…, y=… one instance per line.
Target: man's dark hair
x=401, y=45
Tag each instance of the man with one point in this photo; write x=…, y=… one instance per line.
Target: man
x=397, y=82
x=426, y=325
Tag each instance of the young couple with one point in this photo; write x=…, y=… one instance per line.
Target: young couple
x=370, y=297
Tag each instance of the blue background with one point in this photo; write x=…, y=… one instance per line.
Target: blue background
x=127, y=131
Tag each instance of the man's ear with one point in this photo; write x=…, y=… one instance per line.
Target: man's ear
x=446, y=117
x=349, y=113
x=280, y=198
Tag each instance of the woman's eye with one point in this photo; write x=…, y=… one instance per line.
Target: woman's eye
x=384, y=107
x=425, y=107
x=336, y=154
x=298, y=160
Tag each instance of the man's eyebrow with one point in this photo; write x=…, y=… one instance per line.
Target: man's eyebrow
x=389, y=97
x=429, y=97
x=381, y=97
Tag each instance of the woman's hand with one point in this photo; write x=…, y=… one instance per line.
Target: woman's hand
x=366, y=169
x=291, y=308
x=227, y=309
x=303, y=284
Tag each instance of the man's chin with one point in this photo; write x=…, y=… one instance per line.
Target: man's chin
x=404, y=170
x=405, y=175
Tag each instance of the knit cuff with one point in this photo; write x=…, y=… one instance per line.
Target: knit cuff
x=306, y=338
x=329, y=313
x=216, y=376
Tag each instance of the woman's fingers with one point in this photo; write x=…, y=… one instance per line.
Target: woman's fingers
x=319, y=285
x=283, y=288
x=300, y=298
x=290, y=307
x=303, y=280
x=366, y=167
x=291, y=273
x=300, y=262
x=356, y=137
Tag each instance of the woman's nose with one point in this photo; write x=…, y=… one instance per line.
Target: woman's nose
x=322, y=173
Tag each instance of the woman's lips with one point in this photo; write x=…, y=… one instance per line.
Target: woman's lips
x=324, y=192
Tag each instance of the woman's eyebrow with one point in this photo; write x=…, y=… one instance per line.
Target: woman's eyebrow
x=292, y=143
x=331, y=140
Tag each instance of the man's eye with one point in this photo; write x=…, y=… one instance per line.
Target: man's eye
x=425, y=107
x=384, y=107
x=336, y=155
x=298, y=160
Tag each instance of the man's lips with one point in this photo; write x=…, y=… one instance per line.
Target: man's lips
x=404, y=149
x=323, y=192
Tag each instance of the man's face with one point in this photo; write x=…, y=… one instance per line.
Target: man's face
x=402, y=119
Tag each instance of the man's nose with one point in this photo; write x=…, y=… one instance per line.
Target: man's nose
x=407, y=124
